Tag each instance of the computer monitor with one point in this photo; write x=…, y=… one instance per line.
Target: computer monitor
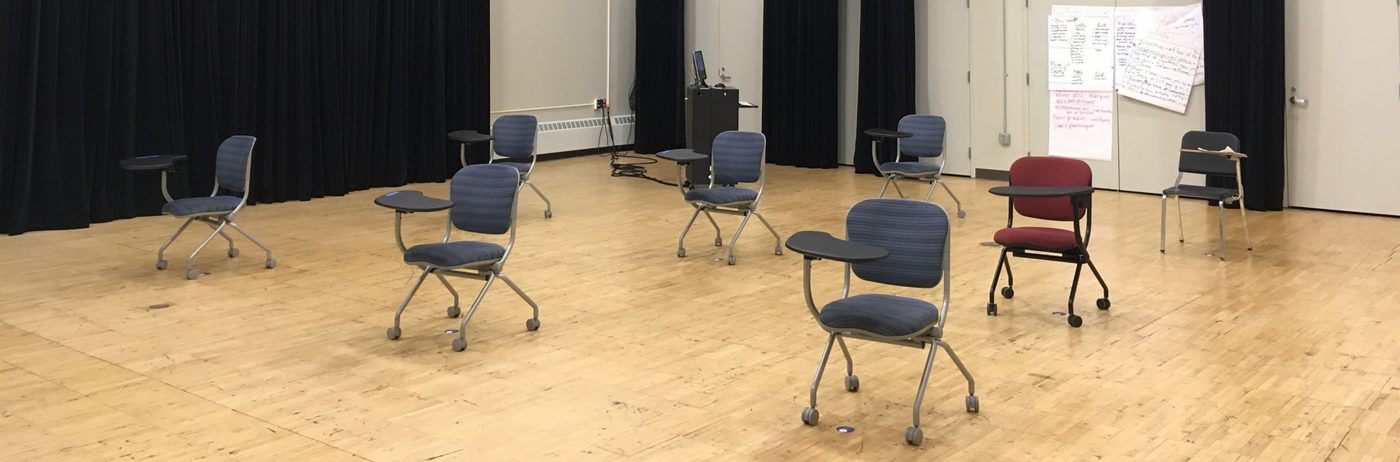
x=699, y=57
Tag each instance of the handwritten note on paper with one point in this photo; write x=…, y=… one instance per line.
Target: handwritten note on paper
x=1161, y=73
x=1181, y=24
x=1081, y=124
x=1081, y=53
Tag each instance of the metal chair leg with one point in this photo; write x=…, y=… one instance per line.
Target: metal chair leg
x=1249, y=243
x=888, y=179
x=896, y=188
x=821, y=367
x=1162, y=245
x=1180, y=223
x=255, y=241
x=533, y=307
x=923, y=383
x=992, y=293
x=719, y=239
x=958, y=203
x=160, y=254
x=1074, y=319
x=850, y=365
x=734, y=242
x=680, y=246
x=932, y=185
x=190, y=273
x=232, y=251
x=548, y=207
x=777, y=240
x=971, y=385
x=1221, y=206
x=394, y=332
x=456, y=308
x=460, y=343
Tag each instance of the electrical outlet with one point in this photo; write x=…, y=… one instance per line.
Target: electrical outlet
x=598, y=103
x=1004, y=138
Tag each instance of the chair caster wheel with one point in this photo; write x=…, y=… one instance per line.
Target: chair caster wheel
x=852, y=383
x=548, y=214
x=991, y=309
x=719, y=242
x=972, y=405
x=914, y=436
x=161, y=264
x=1008, y=292
x=532, y=324
x=680, y=253
x=454, y=311
x=732, y=260
x=1103, y=303
x=393, y=333
x=191, y=275
x=459, y=344
x=810, y=417
x=1075, y=320
x=270, y=263
x=232, y=252
x=962, y=214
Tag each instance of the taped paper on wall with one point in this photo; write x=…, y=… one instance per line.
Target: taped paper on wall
x=1081, y=124
x=1081, y=53
x=1161, y=73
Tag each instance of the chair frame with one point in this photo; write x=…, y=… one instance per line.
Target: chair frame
x=524, y=175
x=931, y=338
x=1079, y=255
x=215, y=220
x=892, y=177
x=744, y=209
x=487, y=270
x=1220, y=205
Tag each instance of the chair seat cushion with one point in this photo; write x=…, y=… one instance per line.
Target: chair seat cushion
x=879, y=314
x=201, y=206
x=909, y=168
x=454, y=254
x=1037, y=238
x=721, y=195
x=1201, y=192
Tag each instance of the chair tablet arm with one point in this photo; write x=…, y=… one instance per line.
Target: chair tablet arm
x=880, y=133
x=681, y=156
x=170, y=163
x=411, y=201
x=468, y=136
x=818, y=245
x=1042, y=191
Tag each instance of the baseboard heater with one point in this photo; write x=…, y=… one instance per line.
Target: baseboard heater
x=581, y=135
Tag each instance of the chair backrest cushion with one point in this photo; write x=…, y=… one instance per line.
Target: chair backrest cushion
x=233, y=161
x=483, y=198
x=513, y=136
x=928, y=131
x=1049, y=171
x=737, y=157
x=914, y=232
x=1207, y=164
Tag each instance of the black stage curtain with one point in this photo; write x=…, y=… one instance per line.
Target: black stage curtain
x=342, y=96
x=799, y=81
x=1245, y=90
x=886, y=87
x=659, y=89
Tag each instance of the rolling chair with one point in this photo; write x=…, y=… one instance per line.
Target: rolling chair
x=737, y=157
x=1208, y=153
x=231, y=175
x=1055, y=189
x=919, y=136
x=890, y=241
x=484, y=198
x=513, y=139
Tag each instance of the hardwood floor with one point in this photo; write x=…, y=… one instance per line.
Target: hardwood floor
x=1289, y=352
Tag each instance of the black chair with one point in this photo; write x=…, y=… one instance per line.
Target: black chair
x=1214, y=154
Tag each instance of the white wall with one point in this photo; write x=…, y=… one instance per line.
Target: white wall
x=730, y=32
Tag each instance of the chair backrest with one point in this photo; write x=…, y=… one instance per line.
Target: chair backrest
x=1049, y=171
x=233, y=161
x=914, y=232
x=483, y=198
x=928, y=131
x=513, y=136
x=1207, y=164
x=737, y=157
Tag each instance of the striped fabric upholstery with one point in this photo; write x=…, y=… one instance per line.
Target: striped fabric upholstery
x=738, y=157
x=914, y=232
x=231, y=164
x=928, y=131
x=483, y=198
x=513, y=136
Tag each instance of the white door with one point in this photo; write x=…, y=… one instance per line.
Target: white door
x=942, y=85
x=1343, y=59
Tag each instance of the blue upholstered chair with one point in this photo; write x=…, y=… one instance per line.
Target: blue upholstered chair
x=1206, y=153
x=512, y=144
x=483, y=201
x=920, y=137
x=231, y=178
x=737, y=157
x=889, y=241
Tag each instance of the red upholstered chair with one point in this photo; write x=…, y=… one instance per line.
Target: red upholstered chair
x=1054, y=189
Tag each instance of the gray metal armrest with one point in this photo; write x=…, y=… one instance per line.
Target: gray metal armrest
x=405, y=202
x=167, y=164
x=817, y=245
